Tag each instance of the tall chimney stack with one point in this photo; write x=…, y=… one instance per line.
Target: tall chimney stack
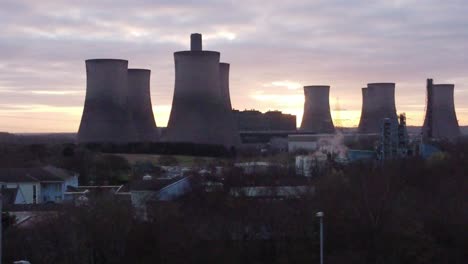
x=196, y=42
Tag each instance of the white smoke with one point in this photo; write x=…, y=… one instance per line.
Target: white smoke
x=333, y=145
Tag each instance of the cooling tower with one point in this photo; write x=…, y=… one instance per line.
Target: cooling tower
x=317, y=116
x=106, y=115
x=441, y=120
x=198, y=113
x=380, y=99
x=232, y=132
x=363, y=122
x=140, y=105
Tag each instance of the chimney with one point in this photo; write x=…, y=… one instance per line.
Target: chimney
x=196, y=42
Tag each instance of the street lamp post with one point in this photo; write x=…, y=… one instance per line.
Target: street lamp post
x=1, y=219
x=320, y=216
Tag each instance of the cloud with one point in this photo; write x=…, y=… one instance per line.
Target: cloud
x=273, y=49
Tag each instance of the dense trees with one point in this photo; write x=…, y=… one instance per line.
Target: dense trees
x=402, y=211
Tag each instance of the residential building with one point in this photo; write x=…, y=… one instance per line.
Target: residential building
x=37, y=185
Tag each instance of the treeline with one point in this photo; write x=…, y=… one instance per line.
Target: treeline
x=99, y=163
x=404, y=211
x=164, y=148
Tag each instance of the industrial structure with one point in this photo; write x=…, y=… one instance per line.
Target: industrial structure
x=140, y=105
x=364, y=120
x=235, y=139
x=199, y=114
x=378, y=104
x=106, y=114
x=317, y=117
x=440, y=121
x=394, y=142
x=253, y=120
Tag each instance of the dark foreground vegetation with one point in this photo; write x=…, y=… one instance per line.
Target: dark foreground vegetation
x=409, y=211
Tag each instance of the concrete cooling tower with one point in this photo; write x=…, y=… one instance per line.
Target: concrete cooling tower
x=140, y=105
x=363, y=122
x=441, y=120
x=232, y=130
x=317, y=117
x=106, y=115
x=199, y=113
x=380, y=104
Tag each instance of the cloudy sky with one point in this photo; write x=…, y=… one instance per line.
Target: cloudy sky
x=275, y=47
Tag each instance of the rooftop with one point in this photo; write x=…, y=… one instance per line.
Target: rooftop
x=152, y=185
x=38, y=174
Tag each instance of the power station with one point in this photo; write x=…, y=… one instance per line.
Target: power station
x=317, y=117
x=106, y=114
x=118, y=107
x=378, y=104
x=140, y=105
x=199, y=113
x=440, y=121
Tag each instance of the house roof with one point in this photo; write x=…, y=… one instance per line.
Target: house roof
x=38, y=174
x=58, y=172
x=17, y=175
x=152, y=185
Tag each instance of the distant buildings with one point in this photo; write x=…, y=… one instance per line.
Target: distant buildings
x=253, y=120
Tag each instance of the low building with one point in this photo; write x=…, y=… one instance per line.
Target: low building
x=149, y=190
x=38, y=185
x=253, y=120
x=272, y=192
x=257, y=167
x=310, y=142
x=306, y=165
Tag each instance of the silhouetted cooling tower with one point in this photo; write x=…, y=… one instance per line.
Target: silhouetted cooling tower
x=198, y=113
x=441, y=119
x=363, y=122
x=140, y=105
x=106, y=115
x=317, y=117
x=381, y=105
x=232, y=130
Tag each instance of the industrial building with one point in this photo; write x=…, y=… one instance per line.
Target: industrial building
x=378, y=104
x=106, y=115
x=364, y=120
x=235, y=139
x=140, y=105
x=199, y=113
x=253, y=120
x=440, y=121
x=317, y=117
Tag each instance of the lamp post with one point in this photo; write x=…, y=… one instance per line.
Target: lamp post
x=1, y=226
x=320, y=216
